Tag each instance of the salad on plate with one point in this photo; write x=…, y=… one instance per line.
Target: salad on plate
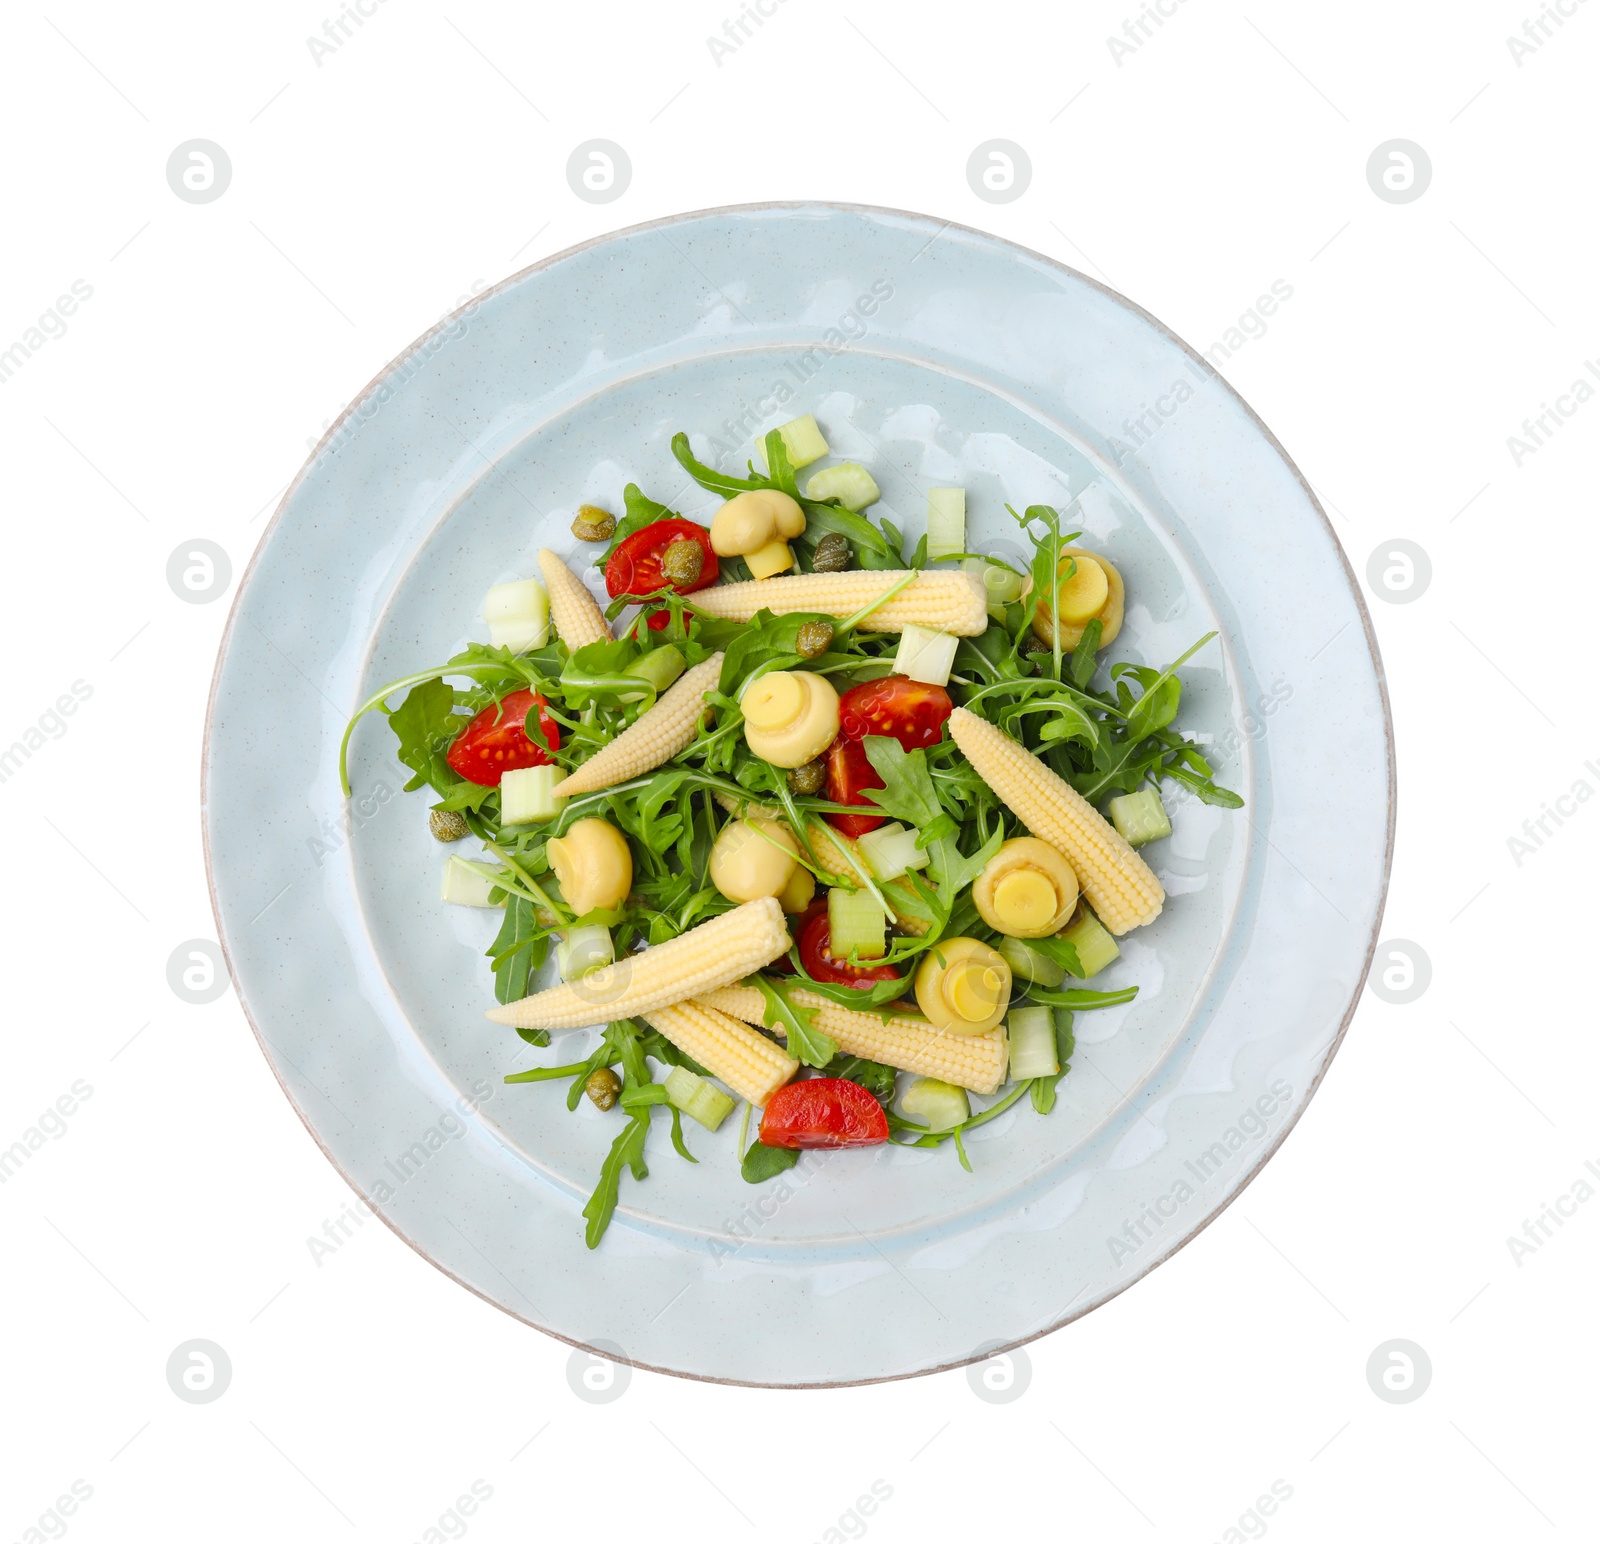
x=822, y=831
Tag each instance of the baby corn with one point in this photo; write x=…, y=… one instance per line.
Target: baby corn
x=948, y=601
x=655, y=737
x=749, y=1063
x=912, y=1044
x=1116, y=881
x=727, y=948
x=579, y=620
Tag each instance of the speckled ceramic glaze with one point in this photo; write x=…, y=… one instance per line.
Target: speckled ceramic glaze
x=939, y=356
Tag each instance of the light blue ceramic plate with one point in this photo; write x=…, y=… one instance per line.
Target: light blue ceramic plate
x=937, y=355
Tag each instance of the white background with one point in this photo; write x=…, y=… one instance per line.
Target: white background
x=370, y=194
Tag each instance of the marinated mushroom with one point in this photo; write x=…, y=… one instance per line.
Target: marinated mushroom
x=963, y=986
x=756, y=526
x=594, y=866
x=1093, y=591
x=790, y=716
x=1026, y=890
x=753, y=858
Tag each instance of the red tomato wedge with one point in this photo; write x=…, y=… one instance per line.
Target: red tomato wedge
x=495, y=742
x=823, y=1112
x=849, y=772
x=635, y=567
x=811, y=934
x=911, y=712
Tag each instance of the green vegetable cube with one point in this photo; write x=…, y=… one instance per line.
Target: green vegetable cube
x=1096, y=947
x=947, y=522
x=849, y=482
x=856, y=924
x=939, y=1106
x=465, y=884
x=802, y=442
x=1140, y=817
x=697, y=1097
x=1028, y=964
x=527, y=795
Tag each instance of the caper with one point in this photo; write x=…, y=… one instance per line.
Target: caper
x=683, y=561
x=602, y=1086
x=832, y=555
x=592, y=523
x=1038, y=645
x=809, y=778
x=447, y=825
x=813, y=639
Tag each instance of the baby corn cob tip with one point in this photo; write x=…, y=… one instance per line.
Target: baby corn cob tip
x=727, y=948
x=947, y=601
x=655, y=737
x=1117, y=882
x=749, y=1063
x=578, y=618
x=912, y=1044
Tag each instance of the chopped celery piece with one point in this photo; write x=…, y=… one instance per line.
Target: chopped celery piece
x=891, y=850
x=802, y=441
x=527, y=795
x=583, y=949
x=1028, y=964
x=1140, y=817
x=1096, y=947
x=518, y=615
x=939, y=1106
x=925, y=655
x=465, y=884
x=1003, y=585
x=947, y=522
x=698, y=1099
x=849, y=482
x=1032, y=1033
x=660, y=667
x=855, y=924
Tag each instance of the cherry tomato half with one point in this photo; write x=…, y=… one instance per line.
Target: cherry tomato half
x=635, y=567
x=823, y=1112
x=811, y=933
x=495, y=742
x=849, y=772
x=912, y=712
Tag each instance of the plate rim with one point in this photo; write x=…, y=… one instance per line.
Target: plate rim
x=735, y=211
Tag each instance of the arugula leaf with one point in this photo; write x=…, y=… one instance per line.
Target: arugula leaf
x=764, y=640
x=1043, y=1092
x=953, y=871
x=627, y=1149
x=864, y=999
x=807, y=1043
x=1063, y=953
x=1084, y=656
x=875, y=1077
x=534, y=1036
x=1076, y=998
x=517, y=953
x=761, y=1162
x=424, y=724
x=907, y=791
x=709, y=478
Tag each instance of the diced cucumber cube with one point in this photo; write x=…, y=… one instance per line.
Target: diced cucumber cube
x=1029, y=964
x=849, y=482
x=925, y=655
x=1032, y=1034
x=802, y=442
x=518, y=615
x=698, y=1098
x=527, y=795
x=1096, y=947
x=465, y=883
x=660, y=667
x=891, y=850
x=1140, y=817
x=939, y=1106
x=583, y=949
x=947, y=522
x=856, y=924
